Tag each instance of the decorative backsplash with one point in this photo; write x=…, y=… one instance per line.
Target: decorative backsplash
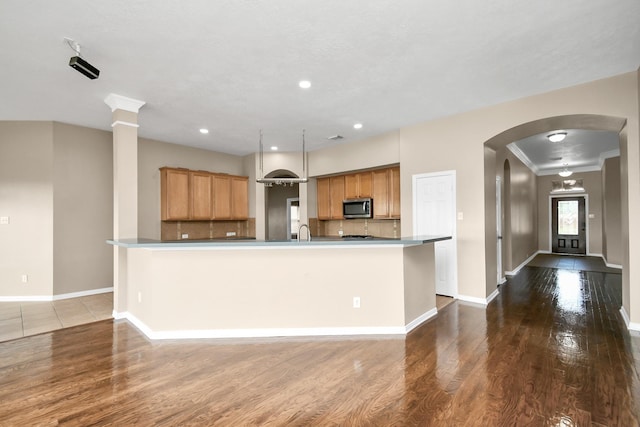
x=373, y=227
x=198, y=230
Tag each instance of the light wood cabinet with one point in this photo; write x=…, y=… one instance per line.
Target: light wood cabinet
x=174, y=194
x=394, y=196
x=330, y=196
x=380, y=193
x=239, y=197
x=324, y=198
x=382, y=185
x=222, y=197
x=337, y=196
x=357, y=185
x=202, y=196
x=386, y=193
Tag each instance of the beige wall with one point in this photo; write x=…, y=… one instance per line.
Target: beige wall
x=152, y=155
x=82, y=209
x=611, y=212
x=26, y=197
x=523, y=207
x=344, y=156
x=456, y=143
x=56, y=187
x=593, y=190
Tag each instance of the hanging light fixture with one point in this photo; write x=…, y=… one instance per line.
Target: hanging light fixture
x=565, y=173
x=557, y=136
x=269, y=182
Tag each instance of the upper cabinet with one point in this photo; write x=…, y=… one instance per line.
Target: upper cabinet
x=386, y=193
x=330, y=196
x=174, y=194
x=202, y=196
x=382, y=185
x=357, y=185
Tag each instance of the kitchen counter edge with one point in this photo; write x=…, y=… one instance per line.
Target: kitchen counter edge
x=248, y=244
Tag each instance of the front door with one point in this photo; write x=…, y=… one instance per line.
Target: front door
x=568, y=225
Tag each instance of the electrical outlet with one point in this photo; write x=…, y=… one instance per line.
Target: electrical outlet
x=340, y=232
x=25, y=278
x=185, y=236
x=356, y=302
x=231, y=233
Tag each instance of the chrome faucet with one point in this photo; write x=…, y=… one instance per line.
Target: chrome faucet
x=308, y=232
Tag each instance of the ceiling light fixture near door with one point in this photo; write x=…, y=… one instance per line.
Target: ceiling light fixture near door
x=565, y=172
x=304, y=84
x=557, y=136
x=357, y=126
x=204, y=131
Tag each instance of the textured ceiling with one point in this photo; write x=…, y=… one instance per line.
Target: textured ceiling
x=233, y=66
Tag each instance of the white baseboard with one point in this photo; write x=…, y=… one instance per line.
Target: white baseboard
x=272, y=332
x=632, y=326
x=420, y=320
x=83, y=293
x=502, y=280
x=525, y=262
x=481, y=301
x=30, y=298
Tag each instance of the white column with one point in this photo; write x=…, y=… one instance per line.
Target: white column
x=125, y=188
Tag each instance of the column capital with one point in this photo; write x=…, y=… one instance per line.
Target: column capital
x=119, y=102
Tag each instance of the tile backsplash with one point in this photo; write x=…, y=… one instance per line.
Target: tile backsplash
x=197, y=230
x=375, y=227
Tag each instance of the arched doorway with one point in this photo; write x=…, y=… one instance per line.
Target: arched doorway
x=280, y=200
x=500, y=141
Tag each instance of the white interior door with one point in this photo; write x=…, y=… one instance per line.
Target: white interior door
x=434, y=214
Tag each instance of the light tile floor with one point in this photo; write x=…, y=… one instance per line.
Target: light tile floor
x=20, y=319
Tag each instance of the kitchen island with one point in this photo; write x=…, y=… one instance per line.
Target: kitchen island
x=255, y=288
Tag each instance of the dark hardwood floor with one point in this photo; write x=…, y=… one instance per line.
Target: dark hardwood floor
x=551, y=350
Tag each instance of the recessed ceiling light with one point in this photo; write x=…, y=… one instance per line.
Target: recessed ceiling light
x=557, y=136
x=357, y=126
x=274, y=148
x=304, y=84
x=204, y=131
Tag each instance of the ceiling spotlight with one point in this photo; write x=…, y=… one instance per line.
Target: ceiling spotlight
x=80, y=64
x=304, y=84
x=557, y=136
x=357, y=126
x=204, y=131
x=274, y=148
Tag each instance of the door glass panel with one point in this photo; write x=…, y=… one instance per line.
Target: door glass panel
x=568, y=217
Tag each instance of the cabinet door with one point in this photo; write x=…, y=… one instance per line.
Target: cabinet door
x=337, y=196
x=380, y=193
x=221, y=197
x=394, y=188
x=324, y=198
x=201, y=195
x=351, y=186
x=239, y=197
x=174, y=194
x=364, y=184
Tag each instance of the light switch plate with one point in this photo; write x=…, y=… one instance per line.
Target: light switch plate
x=4, y=220
x=231, y=233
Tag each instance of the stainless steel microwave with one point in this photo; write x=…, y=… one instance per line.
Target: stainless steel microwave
x=357, y=208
